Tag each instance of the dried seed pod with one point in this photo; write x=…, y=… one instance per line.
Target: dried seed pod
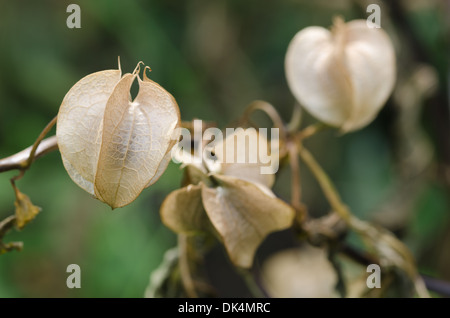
x=111, y=146
x=344, y=76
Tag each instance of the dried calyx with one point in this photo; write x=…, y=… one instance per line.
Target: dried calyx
x=111, y=146
x=343, y=77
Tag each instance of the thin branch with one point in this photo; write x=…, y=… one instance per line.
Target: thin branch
x=437, y=285
x=433, y=284
x=363, y=228
x=311, y=130
x=41, y=136
x=296, y=188
x=327, y=186
x=23, y=159
x=270, y=111
x=6, y=225
x=250, y=282
x=295, y=178
x=185, y=271
x=17, y=160
x=296, y=119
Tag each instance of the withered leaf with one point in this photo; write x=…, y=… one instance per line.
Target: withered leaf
x=182, y=210
x=5, y=226
x=25, y=209
x=244, y=215
x=194, y=175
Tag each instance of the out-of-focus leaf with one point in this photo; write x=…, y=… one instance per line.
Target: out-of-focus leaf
x=195, y=175
x=182, y=210
x=244, y=215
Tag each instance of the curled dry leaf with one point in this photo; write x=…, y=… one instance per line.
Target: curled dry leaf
x=344, y=76
x=182, y=211
x=111, y=146
x=244, y=215
x=5, y=226
x=240, y=212
x=25, y=209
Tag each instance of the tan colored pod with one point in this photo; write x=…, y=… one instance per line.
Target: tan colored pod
x=111, y=146
x=343, y=77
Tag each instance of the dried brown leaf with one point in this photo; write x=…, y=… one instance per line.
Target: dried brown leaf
x=182, y=211
x=25, y=209
x=244, y=215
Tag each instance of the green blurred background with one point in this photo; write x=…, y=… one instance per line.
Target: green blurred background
x=215, y=57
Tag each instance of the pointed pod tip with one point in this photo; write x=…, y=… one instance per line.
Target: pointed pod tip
x=118, y=63
x=137, y=69
x=145, y=73
x=113, y=206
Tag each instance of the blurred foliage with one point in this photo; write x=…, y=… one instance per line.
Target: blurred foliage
x=215, y=57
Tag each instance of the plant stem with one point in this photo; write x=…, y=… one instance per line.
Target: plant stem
x=270, y=111
x=185, y=271
x=295, y=178
x=296, y=119
x=252, y=286
x=311, y=130
x=296, y=188
x=6, y=225
x=23, y=159
x=17, y=160
x=327, y=186
x=41, y=136
x=403, y=259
